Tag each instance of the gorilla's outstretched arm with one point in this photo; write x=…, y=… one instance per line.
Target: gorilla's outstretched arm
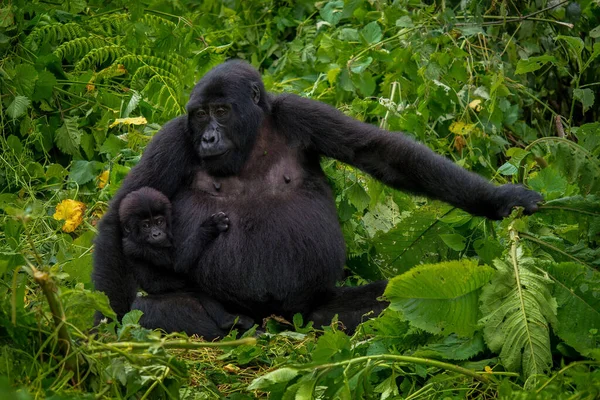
x=395, y=159
x=163, y=166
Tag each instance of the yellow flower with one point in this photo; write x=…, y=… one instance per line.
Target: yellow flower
x=460, y=128
x=103, y=179
x=129, y=121
x=71, y=211
x=475, y=105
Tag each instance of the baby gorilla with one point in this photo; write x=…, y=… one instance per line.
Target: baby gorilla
x=145, y=216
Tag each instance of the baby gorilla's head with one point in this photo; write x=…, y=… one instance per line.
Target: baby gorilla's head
x=146, y=217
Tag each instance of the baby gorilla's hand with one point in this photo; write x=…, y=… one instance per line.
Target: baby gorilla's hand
x=220, y=221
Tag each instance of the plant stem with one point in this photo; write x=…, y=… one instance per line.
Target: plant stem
x=406, y=359
x=172, y=344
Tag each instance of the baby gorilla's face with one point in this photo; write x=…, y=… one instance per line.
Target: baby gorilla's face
x=154, y=231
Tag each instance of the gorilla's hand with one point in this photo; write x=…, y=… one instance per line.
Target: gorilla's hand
x=510, y=196
x=219, y=221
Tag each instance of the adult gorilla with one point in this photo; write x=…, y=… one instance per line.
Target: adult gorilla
x=255, y=156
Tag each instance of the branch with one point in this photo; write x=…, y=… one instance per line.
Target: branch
x=523, y=17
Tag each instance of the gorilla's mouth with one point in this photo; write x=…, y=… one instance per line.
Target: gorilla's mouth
x=213, y=155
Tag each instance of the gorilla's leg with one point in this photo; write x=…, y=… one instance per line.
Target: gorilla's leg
x=177, y=312
x=351, y=304
x=222, y=318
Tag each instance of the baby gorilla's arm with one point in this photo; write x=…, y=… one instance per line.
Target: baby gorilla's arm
x=187, y=252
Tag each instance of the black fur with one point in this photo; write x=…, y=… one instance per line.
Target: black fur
x=150, y=262
x=284, y=250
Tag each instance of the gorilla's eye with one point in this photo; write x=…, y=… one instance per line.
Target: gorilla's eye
x=160, y=221
x=221, y=112
x=145, y=224
x=201, y=113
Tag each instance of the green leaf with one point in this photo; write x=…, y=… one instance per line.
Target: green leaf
x=14, y=144
x=575, y=43
x=24, y=79
x=585, y=96
x=84, y=171
x=440, y=298
x=577, y=292
x=372, y=32
x=112, y=146
x=18, y=107
x=405, y=22
x=517, y=306
x=454, y=241
x=132, y=317
x=7, y=17
x=533, y=64
x=44, y=86
x=332, y=346
x=508, y=169
x=267, y=381
x=360, y=65
x=414, y=240
x=453, y=348
x=332, y=12
x=550, y=183
x=358, y=196
x=68, y=137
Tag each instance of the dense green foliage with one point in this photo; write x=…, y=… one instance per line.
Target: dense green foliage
x=506, y=309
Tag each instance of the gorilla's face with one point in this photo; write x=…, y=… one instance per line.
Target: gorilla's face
x=225, y=112
x=212, y=123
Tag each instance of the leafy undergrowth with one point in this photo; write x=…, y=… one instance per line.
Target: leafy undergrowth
x=479, y=309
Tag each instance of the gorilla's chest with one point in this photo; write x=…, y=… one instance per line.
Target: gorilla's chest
x=273, y=169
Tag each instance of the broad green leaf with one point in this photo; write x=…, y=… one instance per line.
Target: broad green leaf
x=404, y=22
x=84, y=171
x=358, y=196
x=453, y=348
x=585, y=96
x=132, y=317
x=332, y=12
x=372, y=32
x=18, y=107
x=112, y=146
x=533, y=64
x=332, y=346
x=44, y=86
x=517, y=306
x=575, y=43
x=360, y=65
x=508, y=169
x=7, y=17
x=14, y=144
x=68, y=137
x=24, y=79
x=414, y=240
x=550, y=183
x=267, y=381
x=577, y=292
x=440, y=298
x=454, y=241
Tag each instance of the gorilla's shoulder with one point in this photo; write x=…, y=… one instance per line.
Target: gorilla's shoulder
x=172, y=135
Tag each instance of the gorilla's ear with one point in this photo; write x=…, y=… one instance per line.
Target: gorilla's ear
x=255, y=93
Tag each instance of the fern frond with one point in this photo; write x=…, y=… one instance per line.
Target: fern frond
x=135, y=61
x=99, y=55
x=78, y=47
x=110, y=25
x=156, y=21
x=54, y=33
x=156, y=73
